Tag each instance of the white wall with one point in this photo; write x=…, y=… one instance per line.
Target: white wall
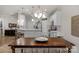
x=56, y=17
x=45, y=27
x=6, y=20
x=67, y=13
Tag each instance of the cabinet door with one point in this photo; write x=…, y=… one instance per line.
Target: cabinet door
x=9, y=32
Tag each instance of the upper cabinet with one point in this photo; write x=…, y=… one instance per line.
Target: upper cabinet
x=56, y=18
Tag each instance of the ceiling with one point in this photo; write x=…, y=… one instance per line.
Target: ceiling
x=11, y=9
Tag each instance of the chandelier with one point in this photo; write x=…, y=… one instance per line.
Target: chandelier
x=39, y=12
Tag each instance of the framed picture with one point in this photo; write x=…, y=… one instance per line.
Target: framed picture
x=75, y=25
x=11, y=25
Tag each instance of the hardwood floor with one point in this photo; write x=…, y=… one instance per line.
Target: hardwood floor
x=4, y=41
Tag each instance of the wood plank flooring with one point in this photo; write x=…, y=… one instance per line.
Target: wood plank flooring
x=4, y=42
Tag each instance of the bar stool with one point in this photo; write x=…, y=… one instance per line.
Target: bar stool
x=19, y=35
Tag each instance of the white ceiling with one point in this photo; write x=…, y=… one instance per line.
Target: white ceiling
x=11, y=9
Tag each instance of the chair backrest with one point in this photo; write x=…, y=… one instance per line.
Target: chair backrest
x=19, y=35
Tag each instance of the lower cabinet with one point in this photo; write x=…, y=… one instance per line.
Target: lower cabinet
x=9, y=32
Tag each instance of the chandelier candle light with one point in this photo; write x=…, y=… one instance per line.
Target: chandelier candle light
x=39, y=12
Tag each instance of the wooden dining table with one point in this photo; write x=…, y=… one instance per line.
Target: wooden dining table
x=53, y=42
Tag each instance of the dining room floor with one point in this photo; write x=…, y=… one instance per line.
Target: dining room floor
x=4, y=42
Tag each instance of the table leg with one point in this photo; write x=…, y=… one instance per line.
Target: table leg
x=69, y=50
x=13, y=49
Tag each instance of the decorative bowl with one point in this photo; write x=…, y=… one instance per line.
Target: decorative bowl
x=41, y=39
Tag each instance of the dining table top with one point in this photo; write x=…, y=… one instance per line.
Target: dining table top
x=52, y=42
